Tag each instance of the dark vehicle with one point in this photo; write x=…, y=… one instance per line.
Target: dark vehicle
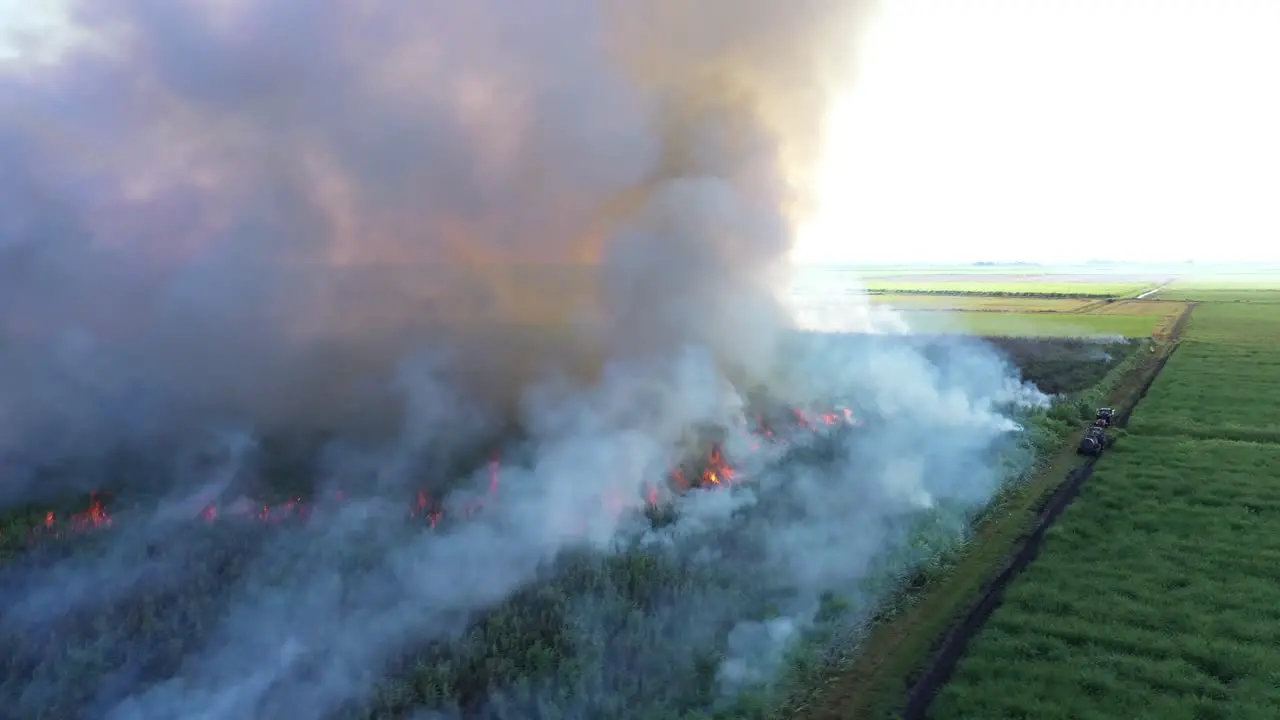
x=1095, y=440
x=1104, y=417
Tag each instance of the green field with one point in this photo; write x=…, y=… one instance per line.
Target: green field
x=1012, y=286
x=1012, y=324
x=1155, y=597
x=1211, y=390
x=1156, y=593
x=908, y=301
x=1261, y=289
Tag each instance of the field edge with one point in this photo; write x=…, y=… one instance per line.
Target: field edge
x=873, y=685
x=942, y=665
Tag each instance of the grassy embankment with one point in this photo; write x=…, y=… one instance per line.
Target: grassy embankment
x=1156, y=594
x=872, y=680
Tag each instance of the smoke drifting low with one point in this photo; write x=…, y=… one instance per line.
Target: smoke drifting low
x=379, y=240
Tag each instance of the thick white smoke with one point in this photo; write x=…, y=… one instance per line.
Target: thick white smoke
x=406, y=233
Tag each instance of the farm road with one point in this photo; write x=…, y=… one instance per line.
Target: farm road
x=952, y=647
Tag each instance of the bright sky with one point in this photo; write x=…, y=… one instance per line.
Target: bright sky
x=1057, y=130
x=30, y=27
x=1037, y=130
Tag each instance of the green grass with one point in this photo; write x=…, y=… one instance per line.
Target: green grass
x=1012, y=286
x=1011, y=324
x=985, y=303
x=1155, y=596
x=1236, y=325
x=1264, y=289
x=1223, y=380
x=1215, y=390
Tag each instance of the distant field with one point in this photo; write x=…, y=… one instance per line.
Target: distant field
x=1144, y=273
x=1236, y=325
x=957, y=270
x=1076, y=286
x=1237, y=289
x=1138, y=307
x=980, y=302
x=1013, y=324
x=995, y=305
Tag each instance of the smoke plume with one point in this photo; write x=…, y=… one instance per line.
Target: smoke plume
x=359, y=245
x=253, y=208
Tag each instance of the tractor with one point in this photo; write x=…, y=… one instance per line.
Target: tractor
x=1095, y=440
x=1104, y=417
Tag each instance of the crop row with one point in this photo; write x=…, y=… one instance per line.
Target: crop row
x=1215, y=390
x=1155, y=595
x=1222, y=381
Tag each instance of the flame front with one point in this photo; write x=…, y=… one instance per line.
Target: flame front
x=714, y=471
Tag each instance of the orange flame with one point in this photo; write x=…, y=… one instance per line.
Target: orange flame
x=716, y=472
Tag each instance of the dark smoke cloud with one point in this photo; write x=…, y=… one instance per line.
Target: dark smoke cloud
x=252, y=208
x=396, y=230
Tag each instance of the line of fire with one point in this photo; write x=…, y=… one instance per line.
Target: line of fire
x=712, y=469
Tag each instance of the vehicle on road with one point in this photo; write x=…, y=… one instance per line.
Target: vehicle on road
x=1095, y=440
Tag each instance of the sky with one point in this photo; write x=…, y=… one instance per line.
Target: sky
x=1057, y=131
x=1047, y=131
x=26, y=24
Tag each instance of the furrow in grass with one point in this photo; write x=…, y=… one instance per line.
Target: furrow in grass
x=1155, y=596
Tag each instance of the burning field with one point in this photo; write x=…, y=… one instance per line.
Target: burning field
x=433, y=360
x=584, y=574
